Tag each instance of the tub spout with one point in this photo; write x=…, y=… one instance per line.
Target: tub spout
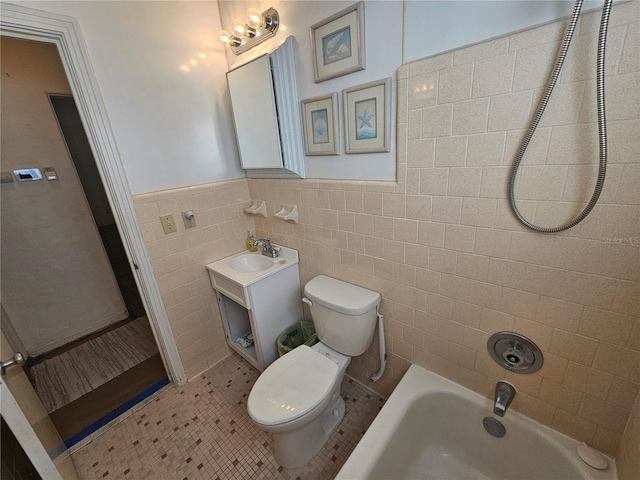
x=504, y=396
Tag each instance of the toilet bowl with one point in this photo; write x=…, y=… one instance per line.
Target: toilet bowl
x=297, y=398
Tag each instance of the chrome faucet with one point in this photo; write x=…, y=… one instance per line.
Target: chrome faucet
x=504, y=396
x=268, y=250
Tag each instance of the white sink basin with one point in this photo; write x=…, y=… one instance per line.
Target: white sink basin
x=250, y=263
x=246, y=268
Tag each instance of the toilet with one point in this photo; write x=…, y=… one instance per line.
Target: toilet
x=297, y=398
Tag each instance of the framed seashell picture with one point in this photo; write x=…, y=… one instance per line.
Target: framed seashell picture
x=338, y=44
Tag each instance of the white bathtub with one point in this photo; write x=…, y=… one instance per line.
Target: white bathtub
x=431, y=428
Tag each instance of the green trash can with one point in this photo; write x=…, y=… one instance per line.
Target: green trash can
x=299, y=333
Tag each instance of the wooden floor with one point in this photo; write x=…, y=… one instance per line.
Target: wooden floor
x=74, y=417
x=95, y=405
x=88, y=409
x=75, y=372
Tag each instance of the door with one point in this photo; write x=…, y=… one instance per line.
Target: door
x=29, y=422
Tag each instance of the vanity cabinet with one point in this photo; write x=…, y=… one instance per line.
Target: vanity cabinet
x=263, y=303
x=266, y=114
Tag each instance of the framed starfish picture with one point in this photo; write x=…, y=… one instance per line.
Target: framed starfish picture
x=320, y=125
x=367, y=112
x=338, y=43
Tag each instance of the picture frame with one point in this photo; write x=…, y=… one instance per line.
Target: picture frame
x=320, y=125
x=367, y=114
x=338, y=44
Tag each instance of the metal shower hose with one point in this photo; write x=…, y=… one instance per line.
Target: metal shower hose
x=602, y=122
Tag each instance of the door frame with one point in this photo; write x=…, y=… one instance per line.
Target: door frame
x=63, y=31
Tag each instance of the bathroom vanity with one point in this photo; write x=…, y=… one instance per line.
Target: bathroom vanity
x=258, y=295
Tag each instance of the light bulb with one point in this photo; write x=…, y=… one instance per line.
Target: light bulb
x=238, y=27
x=254, y=18
x=224, y=36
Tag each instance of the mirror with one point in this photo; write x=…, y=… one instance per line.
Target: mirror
x=255, y=115
x=266, y=114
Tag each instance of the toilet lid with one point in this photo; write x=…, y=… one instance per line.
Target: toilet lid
x=291, y=386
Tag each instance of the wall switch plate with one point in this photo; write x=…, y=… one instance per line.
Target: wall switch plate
x=50, y=173
x=168, y=224
x=189, y=219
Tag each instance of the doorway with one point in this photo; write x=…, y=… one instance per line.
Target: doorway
x=17, y=21
x=70, y=124
x=128, y=346
x=92, y=350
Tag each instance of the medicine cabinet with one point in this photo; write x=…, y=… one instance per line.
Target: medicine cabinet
x=266, y=113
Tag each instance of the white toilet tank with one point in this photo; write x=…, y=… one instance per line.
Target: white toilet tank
x=343, y=314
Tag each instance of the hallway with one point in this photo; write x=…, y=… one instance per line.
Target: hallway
x=86, y=383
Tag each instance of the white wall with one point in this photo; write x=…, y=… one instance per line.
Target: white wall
x=172, y=127
x=396, y=32
x=383, y=42
x=432, y=27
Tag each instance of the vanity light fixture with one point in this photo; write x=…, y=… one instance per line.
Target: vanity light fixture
x=256, y=29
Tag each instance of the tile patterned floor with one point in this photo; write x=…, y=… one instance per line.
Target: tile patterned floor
x=201, y=430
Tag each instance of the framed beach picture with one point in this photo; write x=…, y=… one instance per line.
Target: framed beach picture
x=320, y=125
x=338, y=43
x=367, y=112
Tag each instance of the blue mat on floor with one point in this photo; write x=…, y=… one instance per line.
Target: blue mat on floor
x=85, y=432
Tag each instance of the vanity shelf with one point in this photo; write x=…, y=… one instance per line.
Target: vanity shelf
x=259, y=207
x=288, y=213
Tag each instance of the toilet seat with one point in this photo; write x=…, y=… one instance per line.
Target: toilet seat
x=292, y=386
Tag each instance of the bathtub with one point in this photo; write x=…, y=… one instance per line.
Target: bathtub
x=431, y=428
